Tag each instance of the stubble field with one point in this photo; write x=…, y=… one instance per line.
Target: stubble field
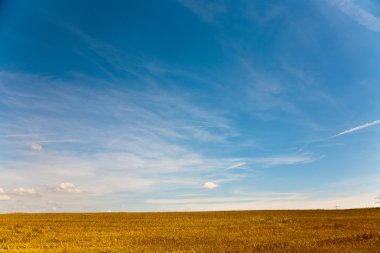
x=239, y=231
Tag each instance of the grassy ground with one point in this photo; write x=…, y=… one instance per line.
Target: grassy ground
x=241, y=231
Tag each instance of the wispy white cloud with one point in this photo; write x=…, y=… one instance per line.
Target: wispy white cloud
x=210, y=185
x=284, y=160
x=68, y=187
x=275, y=160
x=125, y=153
x=190, y=195
x=3, y=195
x=266, y=14
x=25, y=191
x=18, y=135
x=167, y=110
x=265, y=91
x=207, y=10
x=238, y=165
x=60, y=141
x=360, y=15
x=357, y=128
x=231, y=199
x=147, y=166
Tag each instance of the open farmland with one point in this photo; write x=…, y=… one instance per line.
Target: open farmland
x=239, y=231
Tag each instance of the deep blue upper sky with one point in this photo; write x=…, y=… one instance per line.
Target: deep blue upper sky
x=189, y=105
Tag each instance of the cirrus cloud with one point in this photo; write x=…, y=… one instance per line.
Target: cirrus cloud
x=359, y=14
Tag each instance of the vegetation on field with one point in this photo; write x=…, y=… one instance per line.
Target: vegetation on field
x=240, y=231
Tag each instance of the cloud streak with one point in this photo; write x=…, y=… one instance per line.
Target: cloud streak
x=358, y=14
x=238, y=165
x=284, y=160
x=357, y=128
x=230, y=199
x=273, y=161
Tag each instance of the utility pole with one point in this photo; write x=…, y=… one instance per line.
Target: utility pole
x=336, y=207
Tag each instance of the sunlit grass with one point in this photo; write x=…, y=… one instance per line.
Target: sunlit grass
x=240, y=231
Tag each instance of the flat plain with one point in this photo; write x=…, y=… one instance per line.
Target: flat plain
x=356, y=230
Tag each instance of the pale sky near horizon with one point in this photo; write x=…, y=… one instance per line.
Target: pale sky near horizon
x=183, y=105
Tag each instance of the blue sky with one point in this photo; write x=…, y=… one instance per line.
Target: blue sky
x=189, y=105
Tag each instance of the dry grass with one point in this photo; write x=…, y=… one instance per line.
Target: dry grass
x=241, y=231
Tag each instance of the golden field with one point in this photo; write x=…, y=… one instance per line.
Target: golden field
x=356, y=230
